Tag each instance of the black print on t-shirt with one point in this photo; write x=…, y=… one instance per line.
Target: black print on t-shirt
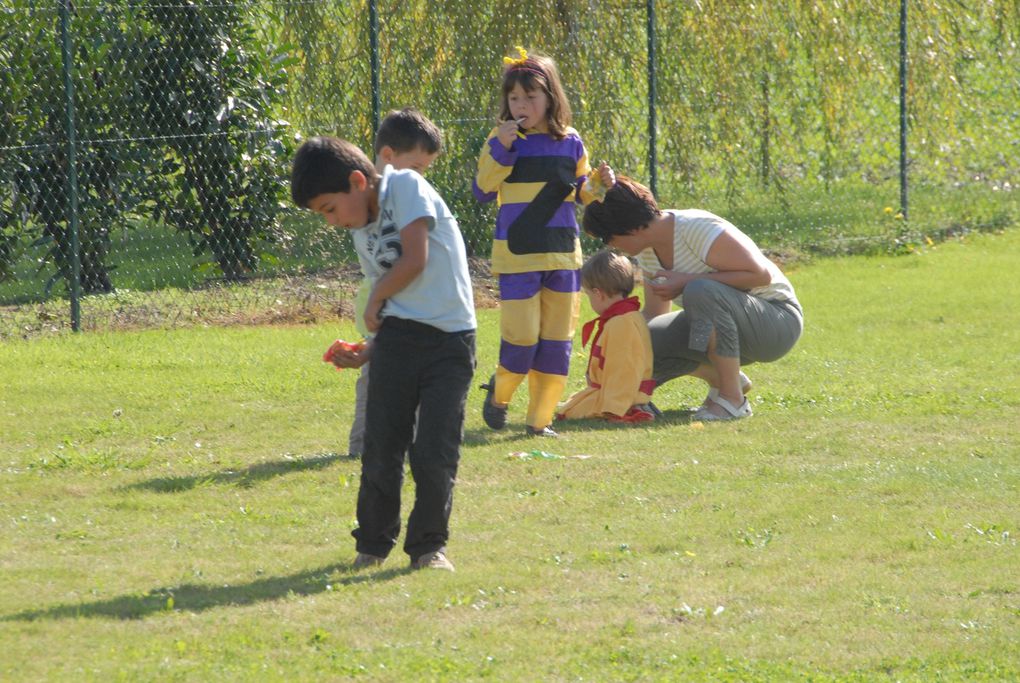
x=389, y=248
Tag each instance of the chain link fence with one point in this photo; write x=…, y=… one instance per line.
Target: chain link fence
x=145, y=146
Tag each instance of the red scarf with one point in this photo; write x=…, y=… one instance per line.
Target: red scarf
x=619, y=308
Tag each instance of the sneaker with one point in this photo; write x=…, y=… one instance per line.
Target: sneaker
x=713, y=393
x=544, y=431
x=493, y=415
x=728, y=411
x=364, y=560
x=436, y=560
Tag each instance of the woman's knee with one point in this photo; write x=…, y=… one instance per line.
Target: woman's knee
x=668, y=330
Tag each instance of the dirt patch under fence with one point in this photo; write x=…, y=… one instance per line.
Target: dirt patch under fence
x=286, y=300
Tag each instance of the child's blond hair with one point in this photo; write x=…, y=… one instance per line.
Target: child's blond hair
x=609, y=272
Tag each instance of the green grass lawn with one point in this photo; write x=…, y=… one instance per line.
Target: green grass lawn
x=175, y=507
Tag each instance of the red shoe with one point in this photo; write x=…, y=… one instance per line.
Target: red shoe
x=635, y=415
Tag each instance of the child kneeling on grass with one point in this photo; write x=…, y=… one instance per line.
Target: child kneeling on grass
x=619, y=371
x=421, y=310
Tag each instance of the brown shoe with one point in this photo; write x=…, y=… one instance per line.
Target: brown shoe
x=436, y=560
x=364, y=560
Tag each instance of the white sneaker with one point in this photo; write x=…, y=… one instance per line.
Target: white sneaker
x=731, y=412
x=745, y=388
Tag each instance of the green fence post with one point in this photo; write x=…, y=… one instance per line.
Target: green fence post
x=72, y=166
x=653, y=161
x=903, y=108
x=373, y=46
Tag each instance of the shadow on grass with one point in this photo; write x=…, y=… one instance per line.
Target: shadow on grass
x=244, y=478
x=675, y=416
x=483, y=436
x=197, y=598
x=515, y=434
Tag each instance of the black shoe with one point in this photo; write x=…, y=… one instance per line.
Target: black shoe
x=655, y=410
x=544, y=431
x=494, y=416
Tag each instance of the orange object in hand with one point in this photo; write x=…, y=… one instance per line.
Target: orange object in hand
x=340, y=344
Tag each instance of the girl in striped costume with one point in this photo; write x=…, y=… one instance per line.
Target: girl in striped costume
x=536, y=167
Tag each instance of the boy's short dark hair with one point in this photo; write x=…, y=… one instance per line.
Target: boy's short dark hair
x=407, y=129
x=324, y=164
x=627, y=206
x=609, y=272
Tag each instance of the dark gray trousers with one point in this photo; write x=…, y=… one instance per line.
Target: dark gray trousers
x=746, y=326
x=414, y=367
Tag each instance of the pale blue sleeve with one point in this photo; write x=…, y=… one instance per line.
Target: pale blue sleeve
x=411, y=199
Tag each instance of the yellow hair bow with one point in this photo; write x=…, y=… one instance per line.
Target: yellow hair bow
x=511, y=61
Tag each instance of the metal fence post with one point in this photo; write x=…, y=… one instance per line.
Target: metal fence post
x=653, y=161
x=903, y=108
x=373, y=46
x=72, y=165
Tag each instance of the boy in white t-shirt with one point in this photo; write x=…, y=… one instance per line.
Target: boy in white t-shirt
x=406, y=138
x=421, y=311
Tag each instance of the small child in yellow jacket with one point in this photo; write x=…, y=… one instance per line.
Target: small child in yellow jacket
x=619, y=372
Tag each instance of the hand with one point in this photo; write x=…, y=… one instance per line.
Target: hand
x=373, y=315
x=347, y=355
x=506, y=133
x=606, y=175
x=668, y=285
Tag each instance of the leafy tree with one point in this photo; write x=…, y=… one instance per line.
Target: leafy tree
x=208, y=88
x=35, y=203
x=12, y=93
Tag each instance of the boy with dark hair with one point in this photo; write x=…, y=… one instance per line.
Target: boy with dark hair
x=406, y=138
x=619, y=372
x=405, y=130
x=423, y=355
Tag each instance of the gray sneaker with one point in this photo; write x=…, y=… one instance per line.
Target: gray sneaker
x=364, y=560
x=436, y=560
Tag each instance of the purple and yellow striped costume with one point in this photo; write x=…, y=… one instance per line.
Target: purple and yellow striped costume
x=537, y=255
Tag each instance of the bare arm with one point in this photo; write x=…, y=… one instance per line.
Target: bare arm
x=414, y=244
x=654, y=304
x=740, y=263
x=736, y=259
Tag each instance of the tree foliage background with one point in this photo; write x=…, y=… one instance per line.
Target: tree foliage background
x=782, y=116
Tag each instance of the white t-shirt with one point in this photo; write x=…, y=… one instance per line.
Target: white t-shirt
x=694, y=231
x=441, y=296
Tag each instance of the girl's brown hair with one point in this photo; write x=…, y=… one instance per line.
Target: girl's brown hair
x=538, y=72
